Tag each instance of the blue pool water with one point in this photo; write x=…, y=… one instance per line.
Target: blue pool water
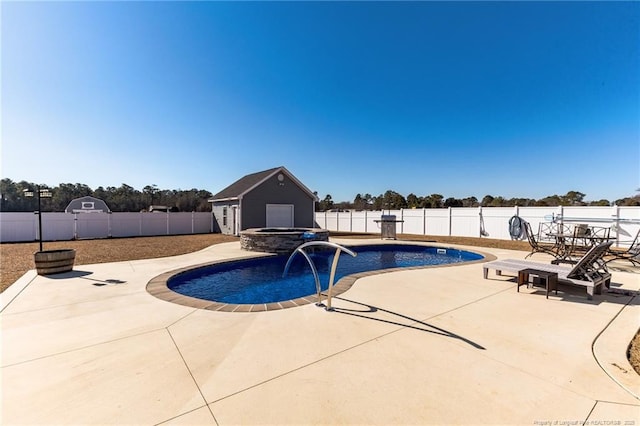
x=260, y=280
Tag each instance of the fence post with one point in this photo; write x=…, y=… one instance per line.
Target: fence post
x=37, y=228
x=424, y=221
x=365, y=221
x=350, y=220
x=561, y=214
x=402, y=223
x=616, y=223
x=450, y=219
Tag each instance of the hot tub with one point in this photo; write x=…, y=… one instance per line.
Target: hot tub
x=279, y=240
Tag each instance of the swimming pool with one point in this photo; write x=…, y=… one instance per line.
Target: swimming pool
x=261, y=281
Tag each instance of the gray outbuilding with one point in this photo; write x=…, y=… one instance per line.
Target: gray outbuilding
x=273, y=198
x=87, y=204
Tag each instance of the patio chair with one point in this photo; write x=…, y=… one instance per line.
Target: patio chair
x=564, y=239
x=600, y=234
x=590, y=271
x=584, y=237
x=536, y=245
x=632, y=254
x=581, y=232
x=545, y=229
x=580, y=243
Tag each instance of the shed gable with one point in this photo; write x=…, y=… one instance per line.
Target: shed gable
x=250, y=182
x=87, y=204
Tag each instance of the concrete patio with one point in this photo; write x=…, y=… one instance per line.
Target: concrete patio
x=430, y=346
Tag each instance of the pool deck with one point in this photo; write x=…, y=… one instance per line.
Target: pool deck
x=428, y=346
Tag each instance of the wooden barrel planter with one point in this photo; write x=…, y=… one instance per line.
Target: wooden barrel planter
x=54, y=261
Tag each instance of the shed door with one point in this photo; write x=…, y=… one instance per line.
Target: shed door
x=279, y=215
x=236, y=224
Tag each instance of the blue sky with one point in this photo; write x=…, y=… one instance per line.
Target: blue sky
x=512, y=99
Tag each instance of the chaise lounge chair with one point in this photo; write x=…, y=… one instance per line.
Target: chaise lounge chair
x=590, y=271
x=632, y=254
x=536, y=245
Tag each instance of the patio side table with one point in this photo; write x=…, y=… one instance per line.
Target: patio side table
x=550, y=279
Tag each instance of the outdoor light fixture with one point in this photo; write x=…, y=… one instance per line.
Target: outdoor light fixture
x=40, y=193
x=50, y=261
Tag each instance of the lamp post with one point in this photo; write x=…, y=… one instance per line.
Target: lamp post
x=40, y=193
x=50, y=261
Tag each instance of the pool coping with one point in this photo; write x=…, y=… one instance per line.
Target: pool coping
x=158, y=285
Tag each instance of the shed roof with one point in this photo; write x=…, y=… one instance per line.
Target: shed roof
x=247, y=183
x=87, y=204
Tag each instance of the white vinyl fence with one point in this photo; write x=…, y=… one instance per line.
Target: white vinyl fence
x=16, y=227
x=485, y=222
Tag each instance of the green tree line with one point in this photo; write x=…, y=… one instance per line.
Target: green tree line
x=128, y=199
x=394, y=201
x=121, y=199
